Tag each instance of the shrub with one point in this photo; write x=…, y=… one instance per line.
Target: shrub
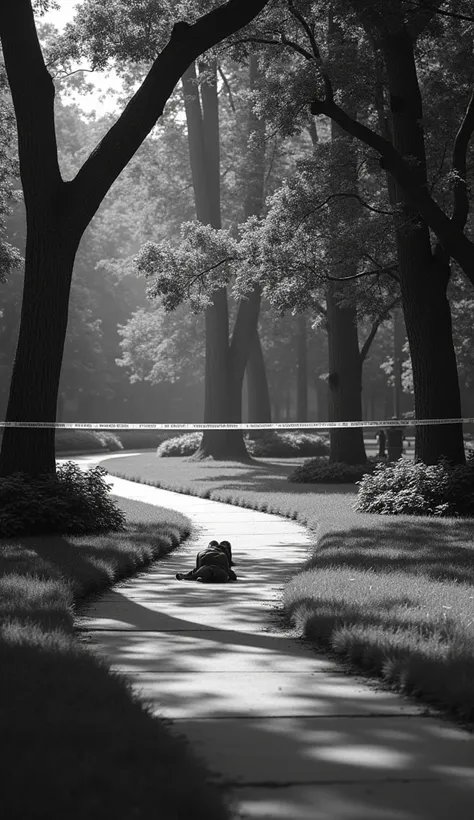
x=272, y=445
x=287, y=445
x=86, y=440
x=74, y=502
x=180, y=445
x=407, y=488
x=323, y=471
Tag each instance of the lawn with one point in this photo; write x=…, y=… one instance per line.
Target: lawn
x=79, y=743
x=392, y=596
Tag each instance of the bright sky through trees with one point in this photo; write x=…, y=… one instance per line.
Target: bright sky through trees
x=101, y=79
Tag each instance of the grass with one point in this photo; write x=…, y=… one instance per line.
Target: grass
x=79, y=743
x=391, y=597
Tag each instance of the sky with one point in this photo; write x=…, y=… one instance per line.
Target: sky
x=101, y=80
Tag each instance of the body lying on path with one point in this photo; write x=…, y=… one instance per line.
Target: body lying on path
x=212, y=565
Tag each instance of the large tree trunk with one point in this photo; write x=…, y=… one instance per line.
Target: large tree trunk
x=345, y=381
x=259, y=407
x=230, y=444
x=424, y=275
x=204, y=154
x=37, y=366
x=345, y=361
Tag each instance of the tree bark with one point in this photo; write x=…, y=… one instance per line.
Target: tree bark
x=344, y=381
x=302, y=369
x=345, y=361
x=37, y=367
x=259, y=408
x=58, y=212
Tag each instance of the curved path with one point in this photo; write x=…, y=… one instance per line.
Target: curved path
x=296, y=737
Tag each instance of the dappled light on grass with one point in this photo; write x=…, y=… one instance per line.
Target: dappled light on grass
x=416, y=633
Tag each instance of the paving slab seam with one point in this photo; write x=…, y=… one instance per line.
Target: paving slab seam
x=303, y=738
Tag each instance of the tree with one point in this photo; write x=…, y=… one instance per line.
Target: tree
x=58, y=212
x=424, y=271
x=225, y=367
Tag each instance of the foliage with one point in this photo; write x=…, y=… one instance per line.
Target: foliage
x=156, y=346
x=75, y=502
x=323, y=471
x=10, y=257
x=287, y=445
x=273, y=445
x=86, y=440
x=180, y=445
x=407, y=488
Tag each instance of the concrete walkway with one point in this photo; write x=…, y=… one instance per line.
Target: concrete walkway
x=296, y=737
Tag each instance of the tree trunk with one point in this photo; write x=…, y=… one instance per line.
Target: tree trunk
x=345, y=360
x=259, y=407
x=345, y=381
x=230, y=444
x=34, y=386
x=398, y=337
x=302, y=370
x=424, y=275
x=202, y=117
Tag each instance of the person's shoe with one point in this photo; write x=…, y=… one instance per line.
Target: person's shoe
x=179, y=576
x=200, y=580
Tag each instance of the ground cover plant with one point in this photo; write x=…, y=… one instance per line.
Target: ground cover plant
x=391, y=596
x=88, y=747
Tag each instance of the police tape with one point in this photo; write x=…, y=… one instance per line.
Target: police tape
x=288, y=425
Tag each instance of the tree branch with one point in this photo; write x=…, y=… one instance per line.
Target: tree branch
x=328, y=89
x=452, y=238
x=360, y=275
x=321, y=309
x=455, y=15
x=187, y=42
x=32, y=91
x=227, y=88
x=461, y=142
x=375, y=326
x=203, y=273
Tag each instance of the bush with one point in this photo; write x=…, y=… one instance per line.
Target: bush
x=180, y=445
x=323, y=471
x=272, y=445
x=407, y=488
x=74, y=502
x=86, y=440
x=287, y=445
